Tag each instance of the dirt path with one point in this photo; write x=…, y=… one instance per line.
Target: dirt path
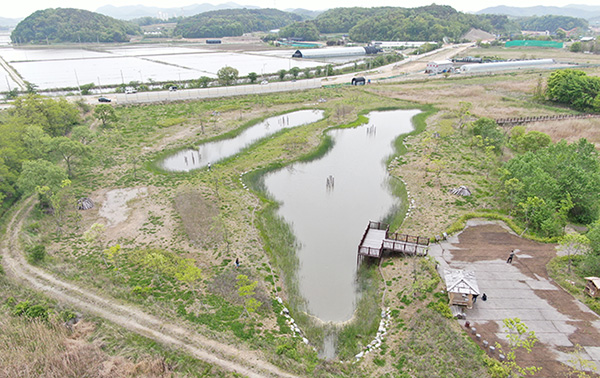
x=244, y=362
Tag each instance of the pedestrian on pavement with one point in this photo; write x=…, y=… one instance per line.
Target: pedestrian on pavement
x=510, y=257
x=484, y=297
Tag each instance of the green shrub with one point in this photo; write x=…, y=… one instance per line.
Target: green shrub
x=36, y=254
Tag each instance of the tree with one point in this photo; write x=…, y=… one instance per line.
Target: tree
x=69, y=150
x=522, y=141
x=246, y=292
x=227, y=75
x=39, y=173
x=105, y=113
x=552, y=173
x=305, y=30
x=294, y=71
x=574, y=244
x=579, y=367
x=63, y=204
x=252, y=76
x=203, y=81
x=86, y=88
x=593, y=236
x=82, y=134
x=55, y=117
x=281, y=73
x=576, y=47
x=489, y=132
x=518, y=336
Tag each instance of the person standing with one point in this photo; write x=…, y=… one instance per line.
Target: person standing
x=510, y=257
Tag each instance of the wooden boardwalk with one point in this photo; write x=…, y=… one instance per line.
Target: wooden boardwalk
x=377, y=239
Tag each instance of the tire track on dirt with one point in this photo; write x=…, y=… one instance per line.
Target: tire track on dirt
x=227, y=357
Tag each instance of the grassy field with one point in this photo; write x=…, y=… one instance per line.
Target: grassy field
x=207, y=219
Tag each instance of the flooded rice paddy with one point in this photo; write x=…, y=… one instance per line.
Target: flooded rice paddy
x=51, y=68
x=328, y=204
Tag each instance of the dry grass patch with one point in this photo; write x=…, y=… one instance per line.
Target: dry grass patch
x=200, y=217
x=570, y=130
x=31, y=348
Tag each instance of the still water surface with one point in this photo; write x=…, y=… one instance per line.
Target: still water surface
x=187, y=160
x=329, y=221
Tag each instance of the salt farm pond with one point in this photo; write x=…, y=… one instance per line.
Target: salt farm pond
x=328, y=203
x=187, y=160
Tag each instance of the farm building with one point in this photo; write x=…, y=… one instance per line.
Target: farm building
x=461, y=286
x=592, y=288
x=500, y=66
x=398, y=44
x=439, y=67
x=335, y=52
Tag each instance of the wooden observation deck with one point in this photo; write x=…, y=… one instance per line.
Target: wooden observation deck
x=377, y=239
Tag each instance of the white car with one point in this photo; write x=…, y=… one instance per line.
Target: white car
x=264, y=82
x=130, y=91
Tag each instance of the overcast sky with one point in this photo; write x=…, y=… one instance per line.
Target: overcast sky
x=23, y=8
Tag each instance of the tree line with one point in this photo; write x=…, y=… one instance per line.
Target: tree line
x=43, y=143
x=233, y=22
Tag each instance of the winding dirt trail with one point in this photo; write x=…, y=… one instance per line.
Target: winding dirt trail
x=227, y=357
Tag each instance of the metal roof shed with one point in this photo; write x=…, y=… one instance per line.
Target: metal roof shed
x=461, y=286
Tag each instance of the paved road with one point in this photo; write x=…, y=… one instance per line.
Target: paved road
x=522, y=290
x=201, y=93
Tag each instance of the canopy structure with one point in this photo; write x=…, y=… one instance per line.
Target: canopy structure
x=461, y=286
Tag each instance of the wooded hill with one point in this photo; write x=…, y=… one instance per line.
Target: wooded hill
x=55, y=25
x=552, y=23
x=429, y=23
x=233, y=22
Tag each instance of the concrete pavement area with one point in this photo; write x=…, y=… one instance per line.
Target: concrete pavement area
x=520, y=290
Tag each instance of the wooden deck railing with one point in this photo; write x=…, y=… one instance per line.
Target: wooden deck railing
x=420, y=240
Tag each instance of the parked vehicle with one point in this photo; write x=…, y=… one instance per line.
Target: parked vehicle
x=173, y=88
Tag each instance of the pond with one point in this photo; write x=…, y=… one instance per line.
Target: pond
x=187, y=160
x=328, y=203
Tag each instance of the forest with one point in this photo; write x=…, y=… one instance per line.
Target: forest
x=72, y=25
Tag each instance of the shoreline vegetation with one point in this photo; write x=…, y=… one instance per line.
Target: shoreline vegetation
x=209, y=218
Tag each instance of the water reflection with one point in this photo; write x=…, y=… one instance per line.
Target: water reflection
x=328, y=203
x=186, y=160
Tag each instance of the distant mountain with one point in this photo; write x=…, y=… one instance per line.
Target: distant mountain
x=137, y=11
x=305, y=13
x=587, y=12
x=5, y=22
